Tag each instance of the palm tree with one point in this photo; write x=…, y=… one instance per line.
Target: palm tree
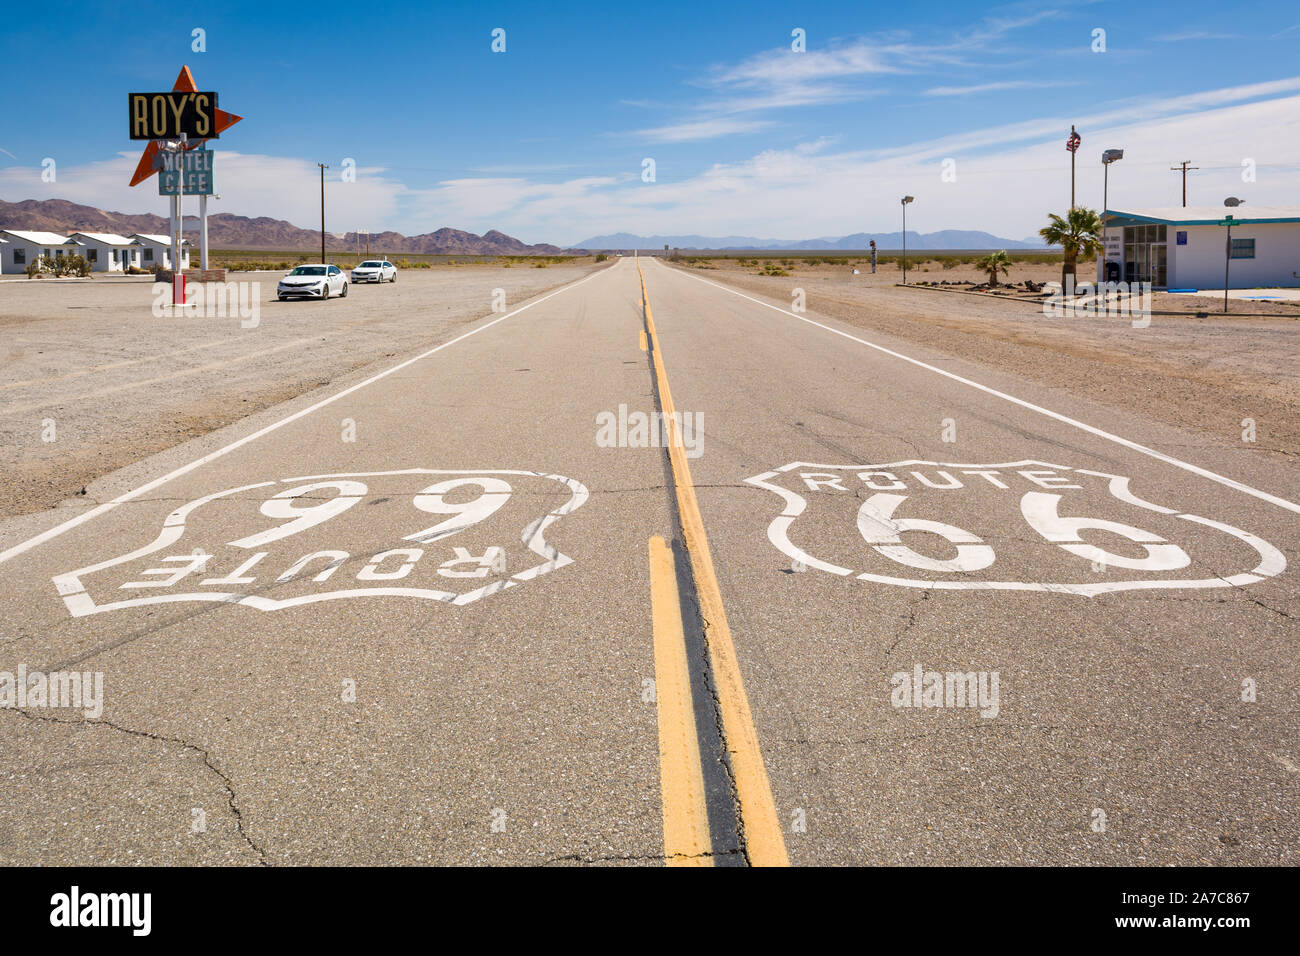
x=1079, y=234
x=994, y=263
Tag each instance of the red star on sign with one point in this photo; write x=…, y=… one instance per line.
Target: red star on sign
x=184, y=84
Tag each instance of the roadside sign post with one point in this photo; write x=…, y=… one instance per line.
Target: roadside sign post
x=1227, y=258
x=178, y=244
x=178, y=125
x=189, y=172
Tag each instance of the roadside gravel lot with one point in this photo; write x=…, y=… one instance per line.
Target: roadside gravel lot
x=91, y=380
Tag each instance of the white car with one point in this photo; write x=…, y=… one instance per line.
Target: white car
x=313, y=281
x=375, y=270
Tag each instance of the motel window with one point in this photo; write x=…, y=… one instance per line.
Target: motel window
x=92, y=255
x=1243, y=248
x=148, y=255
x=20, y=257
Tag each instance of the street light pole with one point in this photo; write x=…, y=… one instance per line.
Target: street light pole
x=1231, y=202
x=1107, y=157
x=1227, y=260
x=323, y=167
x=906, y=200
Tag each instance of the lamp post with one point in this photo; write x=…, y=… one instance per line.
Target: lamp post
x=1107, y=157
x=1228, y=219
x=906, y=200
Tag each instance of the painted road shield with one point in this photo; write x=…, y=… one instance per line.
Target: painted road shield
x=452, y=536
x=1017, y=526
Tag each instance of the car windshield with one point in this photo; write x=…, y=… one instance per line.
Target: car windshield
x=308, y=271
x=370, y=265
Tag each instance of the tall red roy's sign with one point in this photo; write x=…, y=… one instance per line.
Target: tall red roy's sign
x=179, y=121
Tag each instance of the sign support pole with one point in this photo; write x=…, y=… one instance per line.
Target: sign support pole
x=177, y=260
x=1227, y=261
x=203, y=232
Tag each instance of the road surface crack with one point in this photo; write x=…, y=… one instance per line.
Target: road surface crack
x=226, y=783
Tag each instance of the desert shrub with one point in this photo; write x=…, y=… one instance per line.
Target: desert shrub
x=59, y=266
x=601, y=257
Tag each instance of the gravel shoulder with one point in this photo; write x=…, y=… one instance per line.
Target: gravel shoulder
x=91, y=380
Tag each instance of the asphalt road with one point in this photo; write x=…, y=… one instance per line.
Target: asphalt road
x=418, y=617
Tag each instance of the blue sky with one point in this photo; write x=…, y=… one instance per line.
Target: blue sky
x=546, y=141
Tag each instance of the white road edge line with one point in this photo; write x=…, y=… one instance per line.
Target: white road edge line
x=213, y=456
x=1160, y=456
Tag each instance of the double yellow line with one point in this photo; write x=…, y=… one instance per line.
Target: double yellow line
x=685, y=821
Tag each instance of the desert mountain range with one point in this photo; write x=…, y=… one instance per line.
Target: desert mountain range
x=226, y=231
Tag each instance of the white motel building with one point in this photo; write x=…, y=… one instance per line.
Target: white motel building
x=1177, y=247
x=22, y=248
x=105, y=252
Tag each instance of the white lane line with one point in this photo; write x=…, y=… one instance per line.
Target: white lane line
x=207, y=459
x=1090, y=429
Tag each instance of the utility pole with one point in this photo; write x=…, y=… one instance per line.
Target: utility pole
x=1184, y=167
x=323, y=167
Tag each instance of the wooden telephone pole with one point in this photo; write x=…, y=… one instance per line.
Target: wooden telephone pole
x=1184, y=167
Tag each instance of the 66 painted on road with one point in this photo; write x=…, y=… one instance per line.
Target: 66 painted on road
x=336, y=536
x=1023, y=526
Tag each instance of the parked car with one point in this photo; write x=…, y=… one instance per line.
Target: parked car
x=316, y=280
x=375, y=270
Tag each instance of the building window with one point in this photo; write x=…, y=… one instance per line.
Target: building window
x=92, y=255
x=148, y=255
x=20, y=257
x=1243, y=248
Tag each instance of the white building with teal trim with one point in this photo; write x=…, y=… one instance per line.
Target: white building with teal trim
x=1180, y=247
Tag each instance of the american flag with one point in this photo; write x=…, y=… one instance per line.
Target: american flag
x=1072, y=144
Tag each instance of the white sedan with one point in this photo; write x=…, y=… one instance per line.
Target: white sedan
x=313, y=281
x=375, y=270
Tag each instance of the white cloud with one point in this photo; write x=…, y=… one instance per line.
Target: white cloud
x=1008, y=178
x=249, y=185
x=990, y=87
x=702, y=129
x=1185, y=35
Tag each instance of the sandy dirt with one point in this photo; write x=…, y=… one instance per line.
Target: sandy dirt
x=1204, y=373
x=91, y=381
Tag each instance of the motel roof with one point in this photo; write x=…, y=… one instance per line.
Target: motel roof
x=39, y=238
x=1202, y=215
x=108, y=238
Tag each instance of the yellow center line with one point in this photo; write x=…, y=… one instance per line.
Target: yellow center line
x=681, y=775
x=764, y=843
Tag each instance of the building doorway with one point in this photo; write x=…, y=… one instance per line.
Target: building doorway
x=1145, y=255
